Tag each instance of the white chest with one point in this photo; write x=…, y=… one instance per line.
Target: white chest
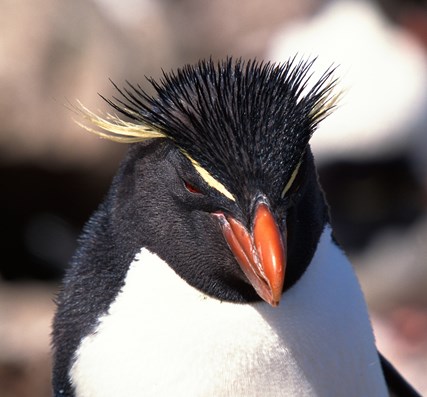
x=162, y=337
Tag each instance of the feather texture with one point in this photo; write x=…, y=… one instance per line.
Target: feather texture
x=233, y=118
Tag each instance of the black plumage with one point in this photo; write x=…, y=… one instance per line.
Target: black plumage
x=242, y=121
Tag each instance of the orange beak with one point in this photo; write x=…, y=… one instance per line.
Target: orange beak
x=261, y=255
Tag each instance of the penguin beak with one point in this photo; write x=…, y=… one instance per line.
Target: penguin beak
x=260, y=254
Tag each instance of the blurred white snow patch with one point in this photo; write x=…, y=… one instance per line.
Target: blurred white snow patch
x=382, y=72
x=128, y=11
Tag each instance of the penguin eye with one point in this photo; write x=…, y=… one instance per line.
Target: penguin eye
x=191, y=188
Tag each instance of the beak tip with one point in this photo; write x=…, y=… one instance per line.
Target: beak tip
x=271, y=296
x=275, y=300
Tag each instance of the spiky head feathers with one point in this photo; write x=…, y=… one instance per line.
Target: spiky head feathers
x=245, y=123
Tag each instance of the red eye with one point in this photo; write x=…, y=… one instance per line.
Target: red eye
x=191, y=188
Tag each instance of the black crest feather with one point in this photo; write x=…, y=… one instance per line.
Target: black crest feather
x=241, y=121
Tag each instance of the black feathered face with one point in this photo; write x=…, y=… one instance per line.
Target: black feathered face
x=244, y=128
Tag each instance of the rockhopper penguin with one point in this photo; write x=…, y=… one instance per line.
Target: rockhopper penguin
x=214, y=217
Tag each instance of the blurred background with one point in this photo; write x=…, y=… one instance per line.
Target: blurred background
x=371, y=153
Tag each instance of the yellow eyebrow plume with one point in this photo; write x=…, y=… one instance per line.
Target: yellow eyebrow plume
x=209, y=179
x=113, y=128
x=327, y=102
x=291, y=180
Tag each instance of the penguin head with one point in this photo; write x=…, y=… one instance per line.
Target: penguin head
x=219, y=180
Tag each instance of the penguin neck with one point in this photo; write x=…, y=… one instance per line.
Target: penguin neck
x=306, y=222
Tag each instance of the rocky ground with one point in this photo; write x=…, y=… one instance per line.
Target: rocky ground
x=25, y=321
